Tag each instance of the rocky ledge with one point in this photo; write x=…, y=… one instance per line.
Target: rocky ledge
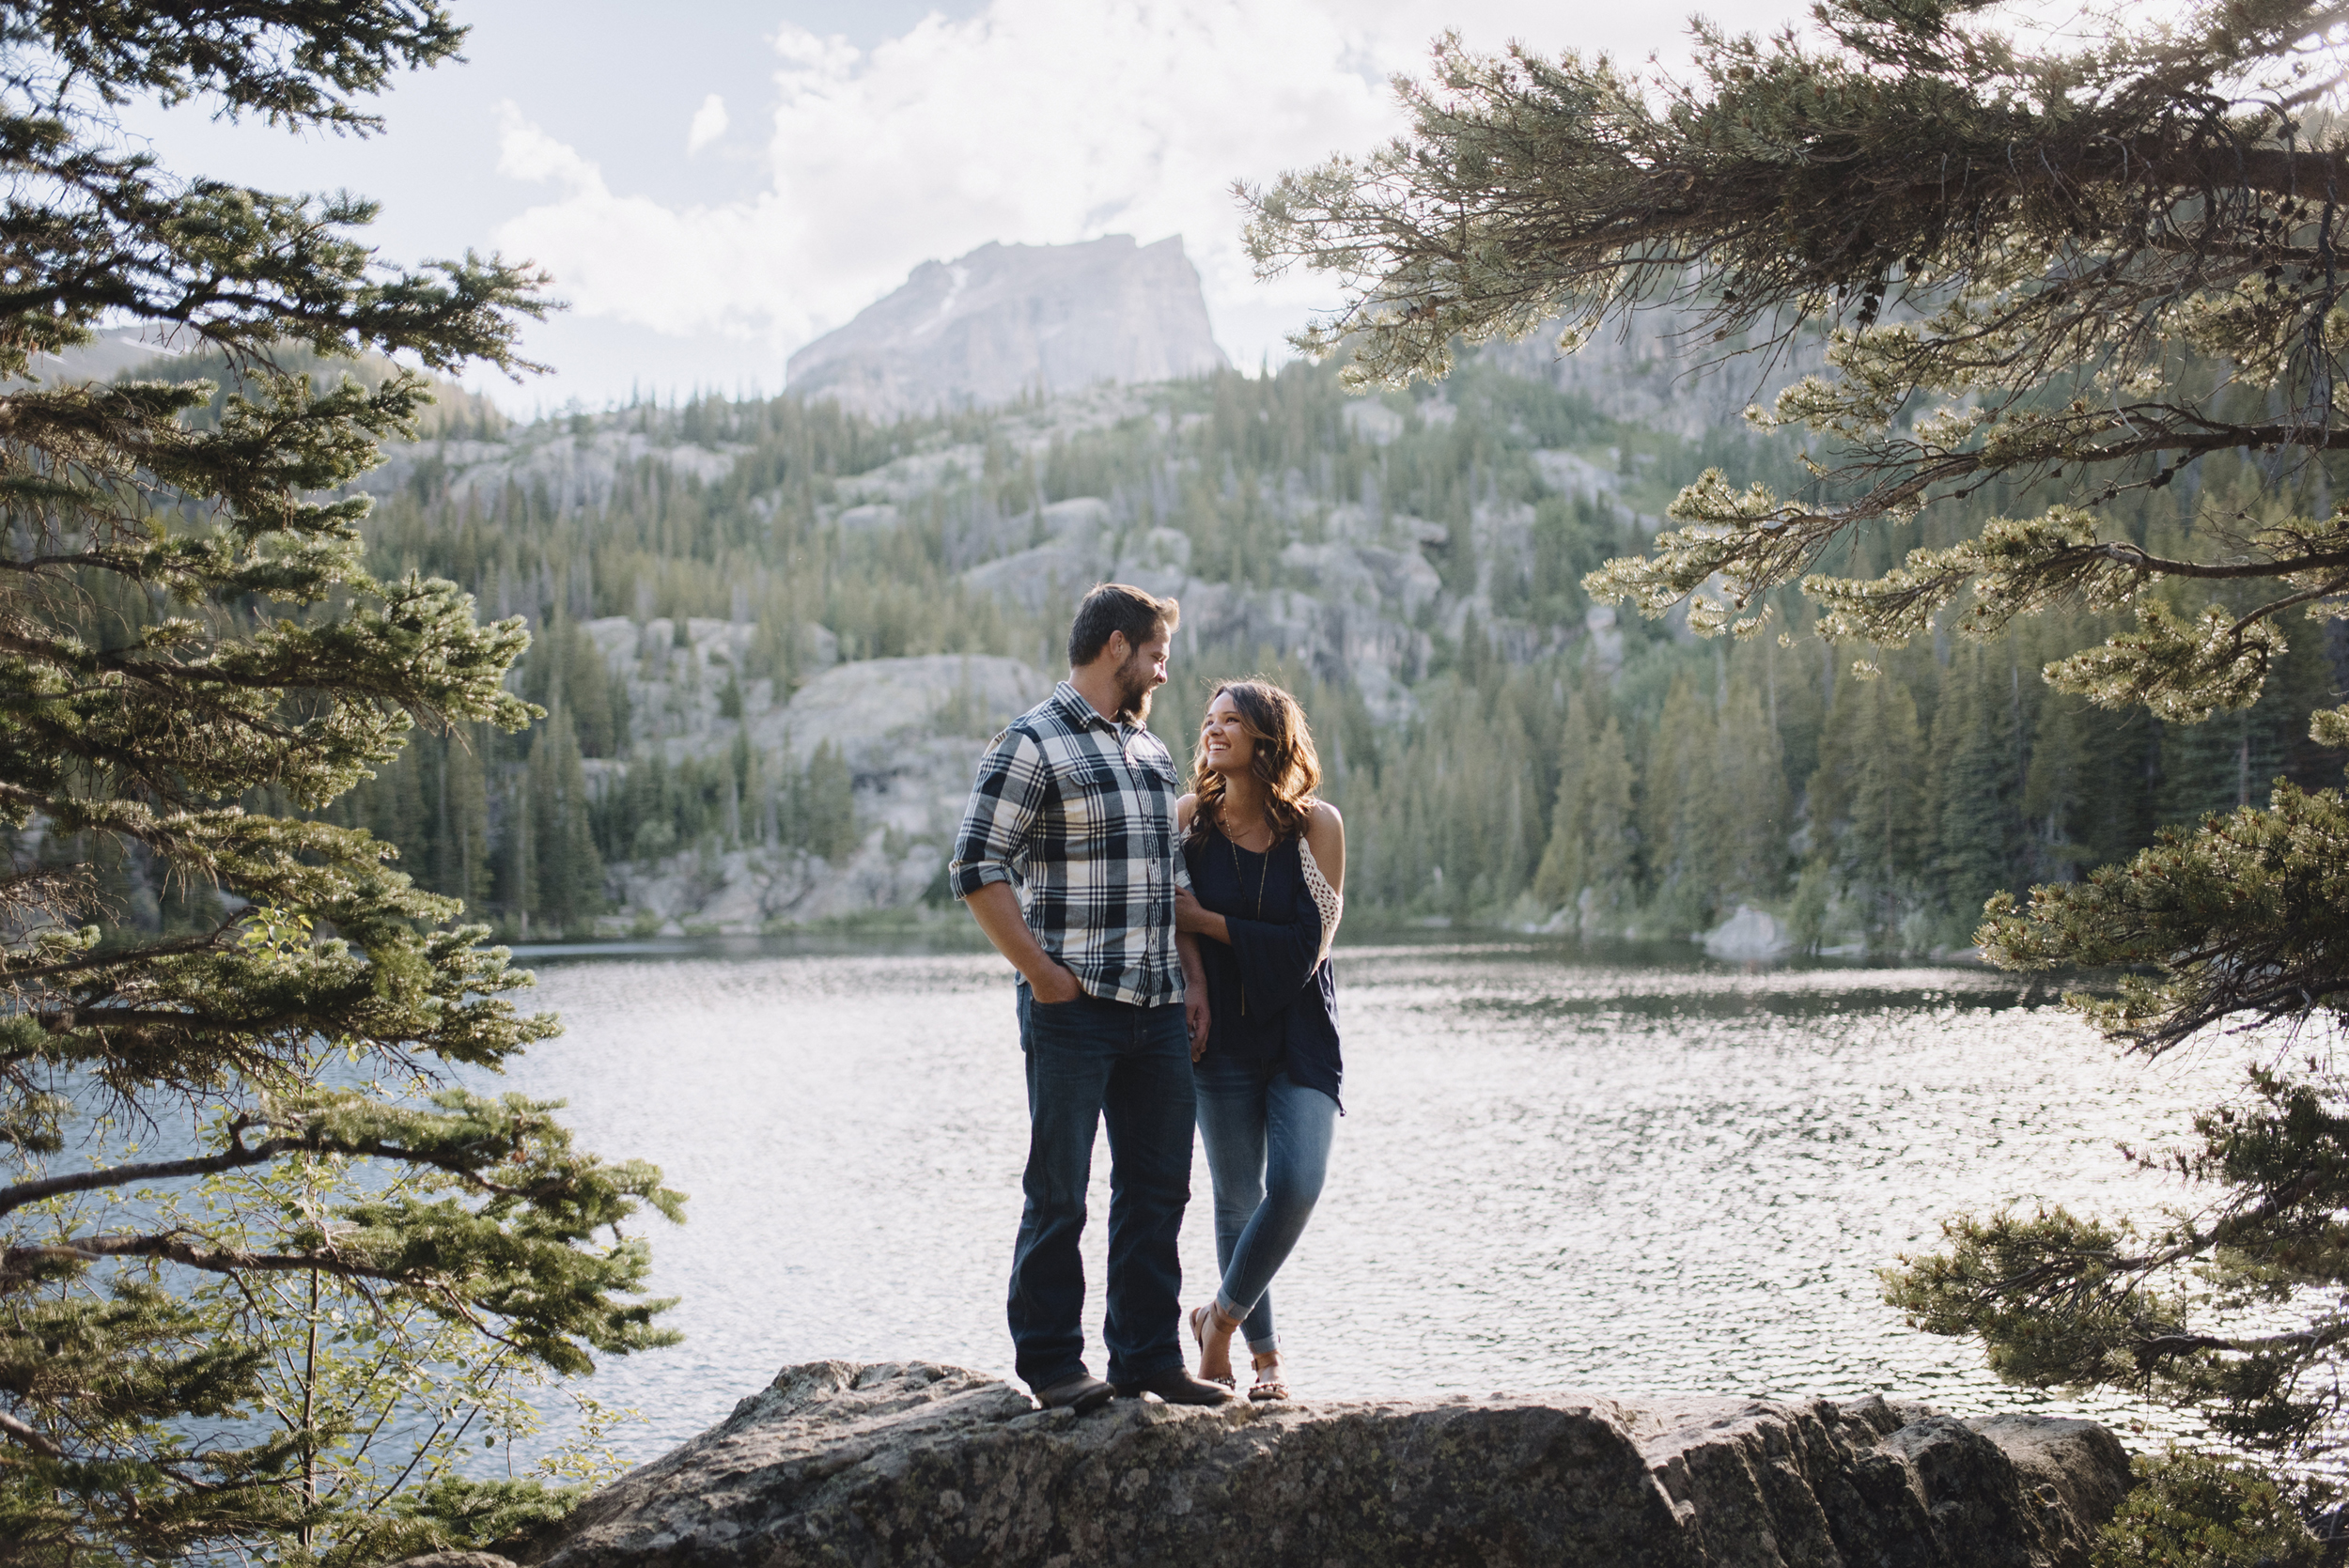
x=908, y=1463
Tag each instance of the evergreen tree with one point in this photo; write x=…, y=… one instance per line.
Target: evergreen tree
x=1869, y=801
x=195, y=650
x=1979, y=825
x=457, y=856
x=1559, y=877
x=2066, y=276
x=568, y=885
x=1590, y=863
x=515, y=882
x=1610, y=838
x=2061, y=792
x=822, y=819
x=1749, y=851
x=2232, y=759
x=1680, y=808
x=564, y=665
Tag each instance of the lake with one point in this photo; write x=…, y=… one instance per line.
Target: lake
x=1557, y=1169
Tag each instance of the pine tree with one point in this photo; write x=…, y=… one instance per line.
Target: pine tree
x=2060, y=792
x=457, y=854
x=2072, y=277
x=194, y=653
x=1559, y=877
x=1610, y=835
x=826, y=805
x=1978, y=823
x=515, y=883
x=1869, y=800
x=1749, y=851
x=1679, y=810
x=569, y=872
x=1590, y=865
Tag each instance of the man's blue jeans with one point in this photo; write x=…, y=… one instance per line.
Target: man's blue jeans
x=1090, y=1062
x=1268, y=1142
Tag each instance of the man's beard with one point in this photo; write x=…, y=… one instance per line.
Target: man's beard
x=1134, y=686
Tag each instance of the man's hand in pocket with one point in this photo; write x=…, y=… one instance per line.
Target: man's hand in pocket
x=1056, y=984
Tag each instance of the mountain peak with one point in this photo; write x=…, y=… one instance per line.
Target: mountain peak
x=1006, y=320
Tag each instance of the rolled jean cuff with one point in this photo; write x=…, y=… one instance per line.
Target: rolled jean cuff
x=1263, y=1347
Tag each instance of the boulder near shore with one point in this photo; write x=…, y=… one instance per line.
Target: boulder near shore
x=911, y=1463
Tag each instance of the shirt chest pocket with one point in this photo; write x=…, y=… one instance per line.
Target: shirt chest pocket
x=1159, y=780
x=1095, y=800
x=1110, y=807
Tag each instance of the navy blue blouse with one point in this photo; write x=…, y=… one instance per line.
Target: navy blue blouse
x=1271, y=995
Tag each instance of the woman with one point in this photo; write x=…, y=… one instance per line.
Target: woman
x=1266, y=862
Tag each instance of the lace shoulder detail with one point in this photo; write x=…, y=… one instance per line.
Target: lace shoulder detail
x=1326, y=898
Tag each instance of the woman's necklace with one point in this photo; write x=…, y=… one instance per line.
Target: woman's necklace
x=1263, y=873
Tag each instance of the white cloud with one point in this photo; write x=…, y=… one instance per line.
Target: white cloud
x=1041, y=121
x=526, y=152
x=629, y=258
x=710, y=123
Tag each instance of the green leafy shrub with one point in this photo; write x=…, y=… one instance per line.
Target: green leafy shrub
x=2192, y=1511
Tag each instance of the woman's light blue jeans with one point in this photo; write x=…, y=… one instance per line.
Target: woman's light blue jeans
x=1267, y=1141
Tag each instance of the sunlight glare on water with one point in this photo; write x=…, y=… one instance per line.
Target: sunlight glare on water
x=1553, y=1173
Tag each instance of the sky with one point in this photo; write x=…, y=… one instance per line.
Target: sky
x=712, y=183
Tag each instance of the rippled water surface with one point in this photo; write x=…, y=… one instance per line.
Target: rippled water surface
x=1553, y=1173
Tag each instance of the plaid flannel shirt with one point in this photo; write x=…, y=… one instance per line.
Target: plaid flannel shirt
x=1078, y=812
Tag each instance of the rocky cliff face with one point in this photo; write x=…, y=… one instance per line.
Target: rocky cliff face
x=1360, y=600
x=1661, y=367
x=1008, y=319
x=911, y=731
x=902, y=1464
x=102, y=359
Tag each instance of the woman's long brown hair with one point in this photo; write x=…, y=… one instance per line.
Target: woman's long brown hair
x=1285, y=762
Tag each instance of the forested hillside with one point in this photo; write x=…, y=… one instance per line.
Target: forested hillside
x=1503, y=750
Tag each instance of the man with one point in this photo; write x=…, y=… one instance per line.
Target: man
x=1075, y=804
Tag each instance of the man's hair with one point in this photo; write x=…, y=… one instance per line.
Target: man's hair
x=1116, y=607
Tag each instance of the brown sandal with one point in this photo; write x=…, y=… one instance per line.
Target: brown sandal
x=1269, y=1384
x=1199, y=1318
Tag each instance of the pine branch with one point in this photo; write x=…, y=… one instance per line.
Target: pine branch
x=30, y=1437
x=237, y=1156
x=23, y=1263
x=35, y=974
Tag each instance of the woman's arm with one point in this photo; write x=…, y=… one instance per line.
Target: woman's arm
x=1325, y=836
x=1191, y=918
x=1198, y=920
x=1277, y=955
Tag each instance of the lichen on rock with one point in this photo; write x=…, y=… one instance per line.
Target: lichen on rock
x=907, y=1463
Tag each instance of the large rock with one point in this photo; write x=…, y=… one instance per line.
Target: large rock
x=911, y=1463
x=1749, y=935
x=1660, y=366
x=910, y=730
x=1008, y=321
x=876, y=709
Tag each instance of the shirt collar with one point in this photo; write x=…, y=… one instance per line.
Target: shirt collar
x=1080, y=712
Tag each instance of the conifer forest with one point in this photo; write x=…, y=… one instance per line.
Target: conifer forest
x=1549, y=764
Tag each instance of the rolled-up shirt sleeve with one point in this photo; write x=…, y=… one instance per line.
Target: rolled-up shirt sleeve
x=1011, y=790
